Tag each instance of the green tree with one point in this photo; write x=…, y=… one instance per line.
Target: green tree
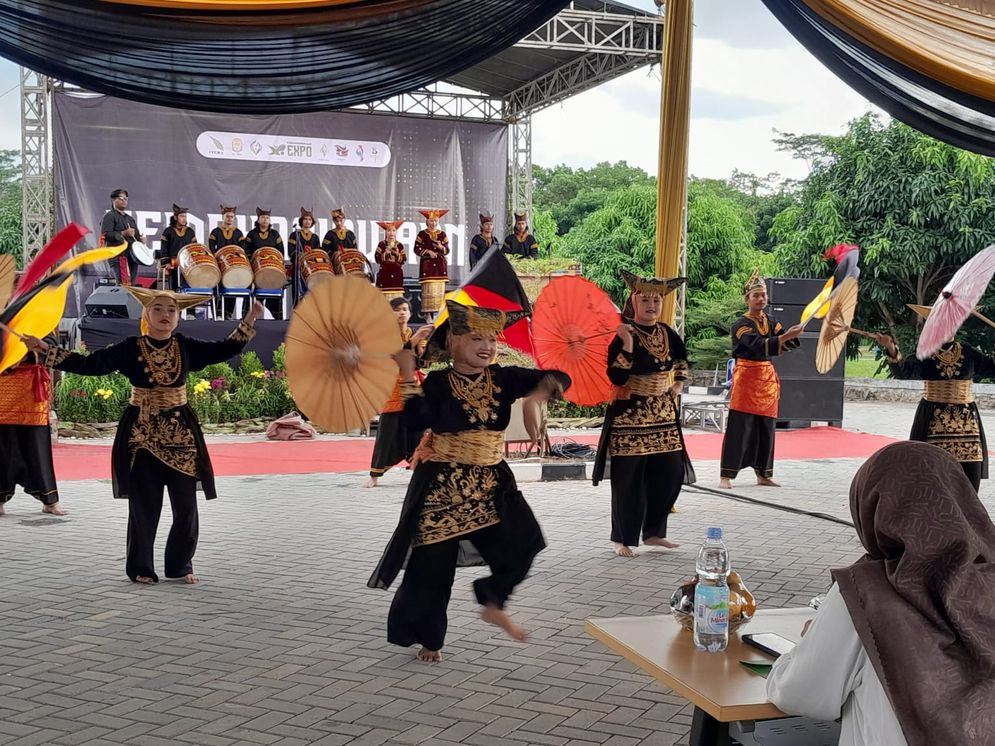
x=10, y=203
x=571, y=194
x=919, y=208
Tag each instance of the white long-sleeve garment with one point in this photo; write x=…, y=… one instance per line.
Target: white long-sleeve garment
x=828, y=675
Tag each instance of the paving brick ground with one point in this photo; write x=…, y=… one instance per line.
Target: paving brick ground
x=283, y=644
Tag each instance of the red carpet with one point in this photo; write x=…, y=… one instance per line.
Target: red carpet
x=335, y=456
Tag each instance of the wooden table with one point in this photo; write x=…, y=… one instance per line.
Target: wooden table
x=721, y=690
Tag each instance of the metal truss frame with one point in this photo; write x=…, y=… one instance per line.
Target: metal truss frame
x=520, y=167
x=37, y=219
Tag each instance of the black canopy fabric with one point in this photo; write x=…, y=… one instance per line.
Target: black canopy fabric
x=262, y=61
x=922, y=102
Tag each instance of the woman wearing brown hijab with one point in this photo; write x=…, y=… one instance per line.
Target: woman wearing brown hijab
x=904, y=644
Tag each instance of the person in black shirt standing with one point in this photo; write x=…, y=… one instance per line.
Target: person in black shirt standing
x=483, y=241
x=226, y=234
x=521, y=242
x=118, y=227
x=301, y=241
x=174, y=238
x=339, y=237
x=264, y=235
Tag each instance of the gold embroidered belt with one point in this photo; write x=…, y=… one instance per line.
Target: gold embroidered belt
x=153, y=401
x=949, y=392
x=475, y=447
x=650, y=384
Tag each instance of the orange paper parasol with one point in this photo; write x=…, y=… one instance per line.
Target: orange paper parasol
x=339, y=346
x=836, y=325
x=573, y=323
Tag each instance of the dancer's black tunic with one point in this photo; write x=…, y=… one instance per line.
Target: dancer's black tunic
x=25, y=436
x=160, y=446
x=450, y=504
x=642, y=433
x=748, y=441
x=395, y=442
x=947, y=415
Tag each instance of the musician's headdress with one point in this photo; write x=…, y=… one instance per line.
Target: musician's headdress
x=756, y=282
x=177, y=209
x=260, y=212
x=338, y=212
x=433, y=213
x=225, y=208
x=395, y=224
x=305, y=213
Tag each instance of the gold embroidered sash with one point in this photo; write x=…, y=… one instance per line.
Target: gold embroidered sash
x=476, y=447
x=949, y=392
x=649, y=384
x=153, y=401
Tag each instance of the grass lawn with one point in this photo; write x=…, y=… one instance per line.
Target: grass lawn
x=865, y=367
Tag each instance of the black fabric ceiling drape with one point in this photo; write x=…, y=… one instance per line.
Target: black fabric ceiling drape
x=932, y=107
x=262, y=62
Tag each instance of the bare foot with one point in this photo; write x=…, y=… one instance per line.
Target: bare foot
x=725, y=484
x=674, y=510
x=371, y=482
x=190, y=578
x=656, y=541
x=430, y=656
x=767, y=482
x=623, y=551
x=144, y=580
x=54, y=509
x=493, y=615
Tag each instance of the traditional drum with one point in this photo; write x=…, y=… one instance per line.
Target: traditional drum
x=236, y=272
x=433, y=295
x=315, y=266
x=351, y=262
x=198, y=265
x=267, y=264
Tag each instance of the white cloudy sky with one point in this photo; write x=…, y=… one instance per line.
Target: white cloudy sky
x=750, y=77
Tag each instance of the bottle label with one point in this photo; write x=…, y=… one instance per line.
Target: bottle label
x=711, y=609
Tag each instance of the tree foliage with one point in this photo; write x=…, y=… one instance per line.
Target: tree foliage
x=10, y=202
x=919, y=209
x=571, y=194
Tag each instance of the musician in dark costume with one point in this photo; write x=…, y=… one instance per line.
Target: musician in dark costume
x=301, y=241
x=642, y=429
x=484, y=241
x=461, y=492
x=264, y=234
x=432, y=248
x=174, y=238
x=395, y=441
x=947, y=415
x=338, y=237
x=749, y=438
x=25, y=435
x=226, y=234
x=119, y=227
x=391, y=256
x=159, y=443
x=520, y=242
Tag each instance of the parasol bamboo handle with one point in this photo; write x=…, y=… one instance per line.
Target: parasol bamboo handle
x=21, y=337
x=861, y=333
x=979, y=315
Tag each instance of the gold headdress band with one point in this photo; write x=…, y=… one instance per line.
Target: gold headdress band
x=756, y=282
x=338, y=212
x=147, y=296
x=651, y=285
x=395, y=224
x=437, y=214
x=475, y=319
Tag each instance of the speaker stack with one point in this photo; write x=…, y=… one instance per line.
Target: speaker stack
x=113, y=302
x=807, y=396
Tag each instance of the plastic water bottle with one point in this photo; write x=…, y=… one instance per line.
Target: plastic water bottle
x=711, y=595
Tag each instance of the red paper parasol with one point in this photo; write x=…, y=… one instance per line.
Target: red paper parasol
x=956, y=302
x=573, y=323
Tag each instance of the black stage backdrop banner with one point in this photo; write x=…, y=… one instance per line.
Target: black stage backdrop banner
x=375, y=167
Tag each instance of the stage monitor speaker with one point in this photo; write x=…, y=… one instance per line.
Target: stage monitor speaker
x=113, y=302
x=793, y=291
x=412, y=291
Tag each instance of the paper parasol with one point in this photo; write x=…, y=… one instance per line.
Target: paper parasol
x=956, y=302
x=7, y=271
x=339, y=346
x=573, y=323
x=836, y=325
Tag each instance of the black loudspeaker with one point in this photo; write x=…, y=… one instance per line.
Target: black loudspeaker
x=788, y=291
x=806, y=395
x=412, y=291
x=113, y=302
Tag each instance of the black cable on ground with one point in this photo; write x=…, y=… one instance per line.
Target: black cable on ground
x=776, y=506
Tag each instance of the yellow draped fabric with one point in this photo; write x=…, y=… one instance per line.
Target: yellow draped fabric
x=951, y=41
x=675, y=114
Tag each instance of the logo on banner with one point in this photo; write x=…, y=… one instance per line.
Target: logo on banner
x=276, y=148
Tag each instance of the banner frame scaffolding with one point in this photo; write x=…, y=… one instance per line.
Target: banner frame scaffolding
x=587, y=43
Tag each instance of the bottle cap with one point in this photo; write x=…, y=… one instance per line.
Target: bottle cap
x=714, y=533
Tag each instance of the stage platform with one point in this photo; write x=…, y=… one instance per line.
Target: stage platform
x=98, y=333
